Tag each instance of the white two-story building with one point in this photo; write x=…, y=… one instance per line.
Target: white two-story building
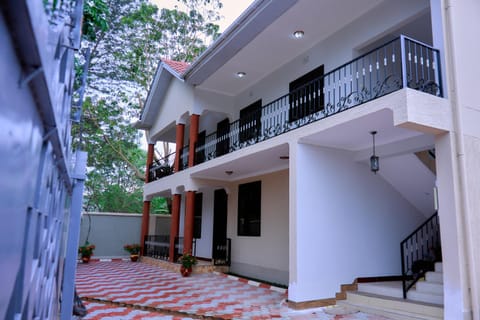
x=278, y=126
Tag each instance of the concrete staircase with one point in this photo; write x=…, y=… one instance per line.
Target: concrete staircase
x=424, y=300
x=431, y=289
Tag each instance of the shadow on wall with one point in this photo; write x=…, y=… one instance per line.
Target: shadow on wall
x=109, y=232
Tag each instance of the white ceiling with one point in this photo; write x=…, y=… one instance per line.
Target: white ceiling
x=275, y=45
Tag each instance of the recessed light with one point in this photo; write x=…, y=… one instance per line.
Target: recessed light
x=298, y=34
x=229, y=172
x=241, y=74
x=284, y=157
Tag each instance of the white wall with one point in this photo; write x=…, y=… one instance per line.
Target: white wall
x=265, y=257
x=178, y=101
x=204, y=244
x=349, y=223
x=109, y=232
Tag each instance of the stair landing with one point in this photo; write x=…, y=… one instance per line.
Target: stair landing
x=391, y=307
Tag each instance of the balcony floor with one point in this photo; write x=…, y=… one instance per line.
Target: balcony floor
x=136, y=290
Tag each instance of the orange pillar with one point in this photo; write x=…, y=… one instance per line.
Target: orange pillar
x=180, y=131
x=189, y=220
x=194, y=119
x=174, y=226
x=146, y=204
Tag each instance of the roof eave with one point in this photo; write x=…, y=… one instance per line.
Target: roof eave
x=258, y=16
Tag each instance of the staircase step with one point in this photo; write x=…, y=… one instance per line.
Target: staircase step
x=393, y=308
x=432, y=276
x=384, y=288
x=438, y=267
x=428, y=297
x=429, y=287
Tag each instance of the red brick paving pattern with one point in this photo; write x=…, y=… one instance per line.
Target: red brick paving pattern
x=122, y=289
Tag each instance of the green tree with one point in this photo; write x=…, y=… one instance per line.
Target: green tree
x=126, y=40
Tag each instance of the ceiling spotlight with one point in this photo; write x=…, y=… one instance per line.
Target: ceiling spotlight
x=298, y=34
x=241, y=74
x=229, y=172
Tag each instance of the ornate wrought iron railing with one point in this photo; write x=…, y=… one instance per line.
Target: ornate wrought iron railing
x=419, y=251
x=165, y=166
x=400, y=63
x=162, y=167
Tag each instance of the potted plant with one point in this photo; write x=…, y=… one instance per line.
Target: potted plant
x=187, y=261
x=134, y=250
x=86, y=251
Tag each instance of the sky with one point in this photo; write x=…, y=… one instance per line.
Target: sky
x=230, y=11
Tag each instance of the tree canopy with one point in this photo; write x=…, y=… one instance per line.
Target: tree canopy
x=126, y=40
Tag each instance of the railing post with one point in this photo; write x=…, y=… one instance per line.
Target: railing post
x=404, y=284
x=438, y=73
x=404, y=61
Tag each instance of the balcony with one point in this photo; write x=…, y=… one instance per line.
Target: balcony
x=400, y=63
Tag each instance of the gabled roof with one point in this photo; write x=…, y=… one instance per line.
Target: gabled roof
x=165, y=71
x=178, y=66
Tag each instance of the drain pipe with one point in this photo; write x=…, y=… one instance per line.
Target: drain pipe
x=463, y=213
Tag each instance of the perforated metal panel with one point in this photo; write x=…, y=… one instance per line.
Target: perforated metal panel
x=35, y=157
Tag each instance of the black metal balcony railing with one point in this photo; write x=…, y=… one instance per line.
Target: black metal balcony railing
x=162, y=167
x=222, y=253
x=158, y=247
x=400, y=63
x=419, y=251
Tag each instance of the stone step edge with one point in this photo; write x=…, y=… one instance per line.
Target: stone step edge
x=392, y=313
x=399, y=303
x=253, y=283
x=398, y=309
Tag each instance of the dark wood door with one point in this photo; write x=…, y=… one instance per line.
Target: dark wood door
x=219, y=241
x=250, y=121
x=306, y=94
x=223, y=139
x=200, y=155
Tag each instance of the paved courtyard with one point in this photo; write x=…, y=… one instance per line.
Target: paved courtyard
x=135, y=290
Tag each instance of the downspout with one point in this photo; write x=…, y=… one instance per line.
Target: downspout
x=463, y=213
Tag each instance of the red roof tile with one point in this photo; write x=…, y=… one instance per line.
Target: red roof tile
x=178, y=66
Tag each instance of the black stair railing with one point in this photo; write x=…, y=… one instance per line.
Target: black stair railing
x=419, y=251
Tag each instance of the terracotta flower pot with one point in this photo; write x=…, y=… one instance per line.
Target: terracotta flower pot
x=185, y=271
x=134, y=257
x=85, y=259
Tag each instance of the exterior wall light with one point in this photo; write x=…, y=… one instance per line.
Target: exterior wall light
x=241, y=74
x=374, y=161
x=298, y=34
